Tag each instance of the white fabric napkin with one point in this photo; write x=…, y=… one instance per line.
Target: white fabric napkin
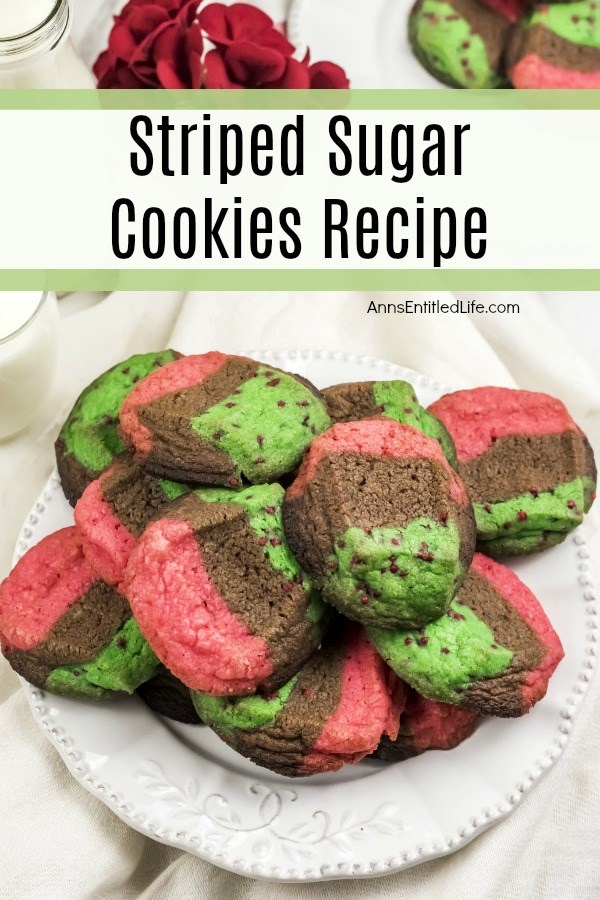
x=59, y=842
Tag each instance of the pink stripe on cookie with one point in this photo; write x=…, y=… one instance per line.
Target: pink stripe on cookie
x=107, y=543
x=370, y=703
x=475, y=418
x=175, y=376
x=373, y=437
x=510, y=586
x=43, y=585
x=184, y=618
x=533, y=72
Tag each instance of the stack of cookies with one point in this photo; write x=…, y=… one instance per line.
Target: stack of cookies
x=503, y=43
x=312, y=575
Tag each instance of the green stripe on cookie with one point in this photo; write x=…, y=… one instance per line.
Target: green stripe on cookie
x=383, y=569
x=528, y=515
x=245, y=713
x=263, y=504
x=125, y=663
x=447, y=46
x=266, y=425
x=575, y=22
x=90, y=432
x=172, y=489
x=397, y=400
x=444, y=658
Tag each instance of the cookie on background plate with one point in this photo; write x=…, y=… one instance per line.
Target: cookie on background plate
x=218, y=419
x=460, y=42
x=169, y=697
x=427, y=725
x=508, y=9
x=333, y=712
x=219, y=596
x=528, y=468
x=394, y=399
x=493, y=652
x=114, y=510
x=89, y=441
x=64, y=630
x=380, y=522
x=556, y=45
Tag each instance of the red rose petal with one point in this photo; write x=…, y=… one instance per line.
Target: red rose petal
x=121, y=42
x=326, y=75
x=103, y=65
x=295, y=77
x=167, y=76
x=196, y=70
x=216, y=74
x=193, y=40
x=143, y=21
x=213, y=21
x=239, y=22
x=271, y=37
x=168, y=44
x=252, y=65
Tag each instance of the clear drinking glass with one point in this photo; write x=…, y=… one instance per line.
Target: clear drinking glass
x=35, y=48
x=28, y=356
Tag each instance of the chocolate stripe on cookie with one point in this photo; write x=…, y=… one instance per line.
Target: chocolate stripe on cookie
x=494, y=650
x=113, y=512
x=510, y=630
x=169, y=697
x=459, y=41
x=283, y=745
x=231, y=612
x=84, y=629
x=73, y=634
x=88, y=441
x=519, y=464
x=77, y=637
x=380, y=522
x=179, y=453
x=364, y=490
x=529, y=469
x=269, y=604
x=552, y=48
x=134, y=496
x=215, y=419
x=487, y=23
x=333, y=712
x=394, y=399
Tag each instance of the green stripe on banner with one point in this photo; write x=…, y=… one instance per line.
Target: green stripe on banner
x=301, y=279
x=299, y=100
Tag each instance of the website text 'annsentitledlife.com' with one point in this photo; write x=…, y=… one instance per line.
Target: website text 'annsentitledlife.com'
x=453, y=307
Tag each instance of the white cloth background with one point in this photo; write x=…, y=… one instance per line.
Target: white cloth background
x=57, y=841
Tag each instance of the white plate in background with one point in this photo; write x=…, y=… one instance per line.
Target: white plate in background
x=368, y=38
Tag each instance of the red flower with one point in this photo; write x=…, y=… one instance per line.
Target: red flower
x=326, y=75
x=250, y=51
x=159, y=44
x=153, y=44
x=224, y=25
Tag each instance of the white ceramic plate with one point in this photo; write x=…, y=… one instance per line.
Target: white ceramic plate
x=181, y=785
x=368, y=38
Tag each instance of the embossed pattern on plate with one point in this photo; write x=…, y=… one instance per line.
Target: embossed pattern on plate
x=181, y=785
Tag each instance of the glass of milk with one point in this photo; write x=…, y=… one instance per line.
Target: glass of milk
x=35, y=49
x=28, y=355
